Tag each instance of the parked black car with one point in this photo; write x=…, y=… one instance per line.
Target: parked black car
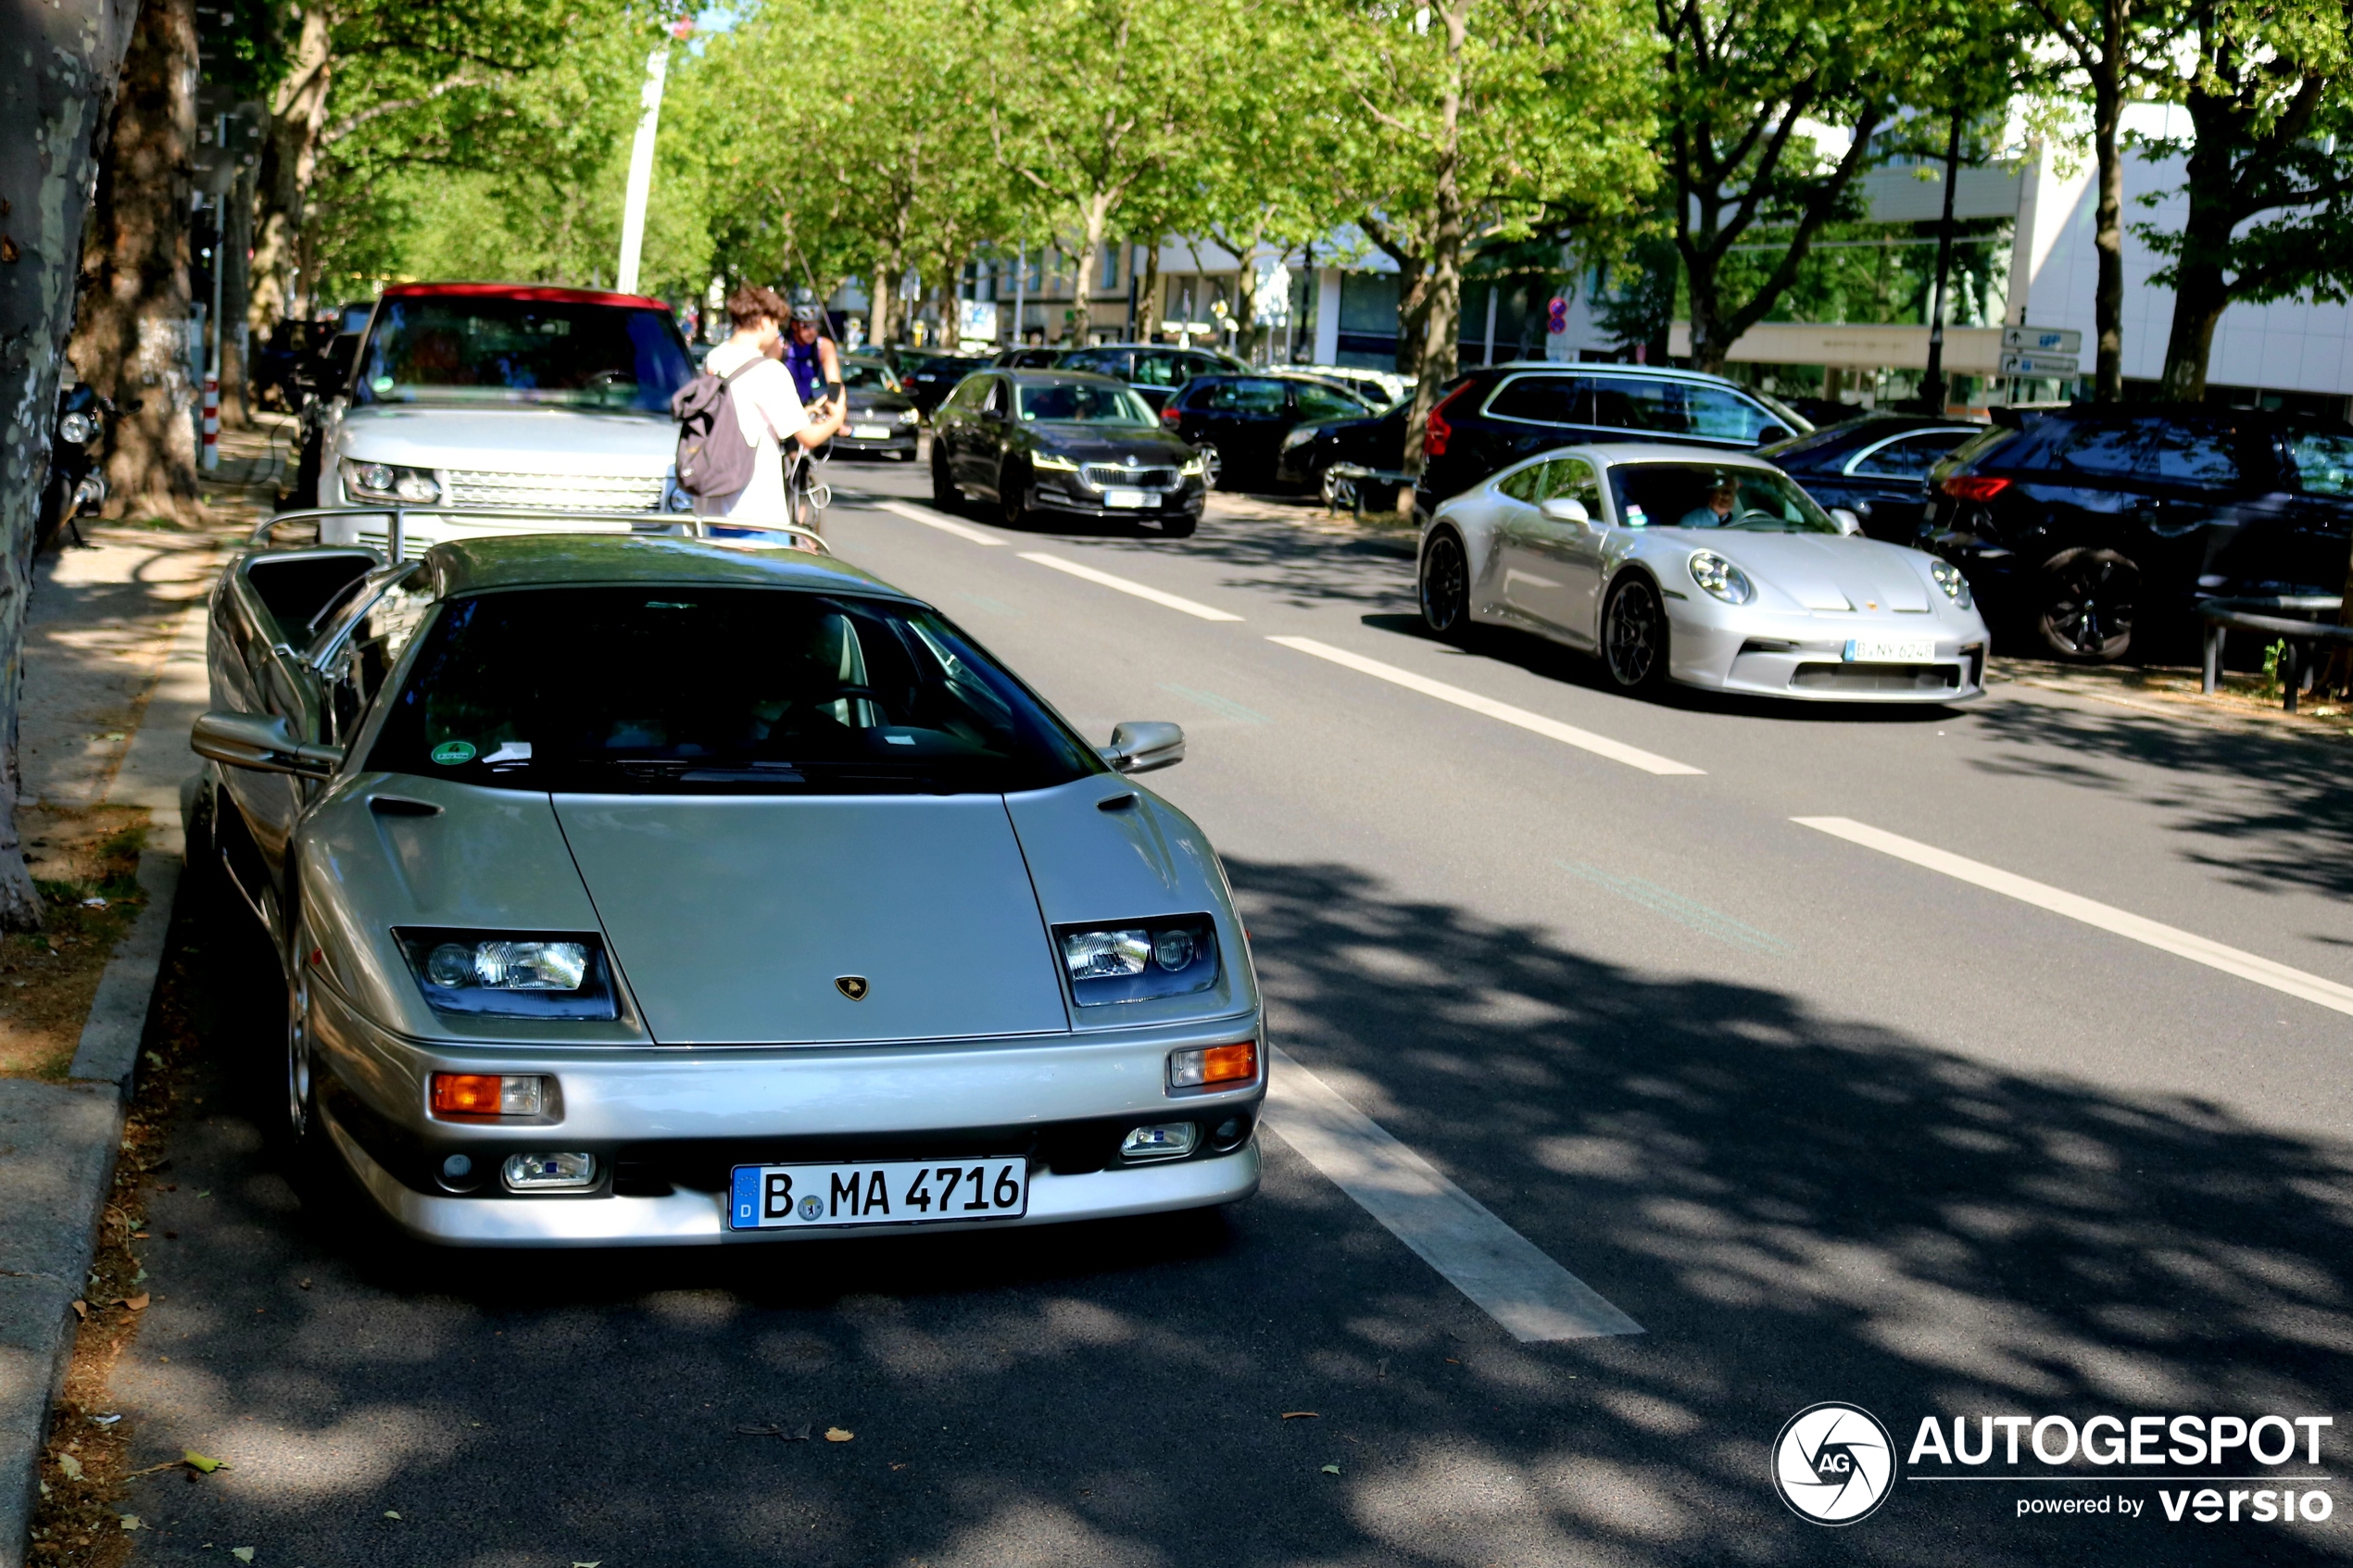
x=1493, y=418
x=881, y=416
x=1364, y=441
x=2095, y=531
x=1239, y=423
x=928, y=382
x=1875, y=467
x=1154, y=369
x=1054, y=441
x=1035, y=357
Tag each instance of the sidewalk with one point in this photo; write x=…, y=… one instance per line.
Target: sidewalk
x=114, y=676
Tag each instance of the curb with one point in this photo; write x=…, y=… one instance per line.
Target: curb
x=58, y=1141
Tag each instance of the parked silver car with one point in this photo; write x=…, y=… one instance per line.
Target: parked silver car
x=1713, y=569
x=643, y=889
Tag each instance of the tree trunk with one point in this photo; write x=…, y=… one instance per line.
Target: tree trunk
x=236, y=285
x=2201, y=287
x=1096, y=217
x=1147, y=304
x=56, y=100
x=2108, y=223
x=289, y=162
x=1439, y=344
x=133, y=340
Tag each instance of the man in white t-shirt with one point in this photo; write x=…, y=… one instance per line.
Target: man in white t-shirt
x=767, y=406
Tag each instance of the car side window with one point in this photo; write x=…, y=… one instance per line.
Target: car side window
x=1722, y=414
x=1242, y=394
x=2182, y=452
x=1160, y=368
x=1102, y=362
x=2323, y=462
x=1637, y=403
x=2106, y=449
x=1520, y=485
x=1911, y=457
x=1323, y=403
x=376, y=647
x=1550, y=400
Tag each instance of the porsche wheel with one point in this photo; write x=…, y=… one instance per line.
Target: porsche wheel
x=1445, y=587
x=1634, y=635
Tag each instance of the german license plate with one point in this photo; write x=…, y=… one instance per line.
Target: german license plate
x=870, y=433
x=890, y=1193
x=1890, y=650
x=1130, y=497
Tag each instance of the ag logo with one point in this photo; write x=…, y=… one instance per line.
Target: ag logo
x=852, y=985
x=1833, y=1463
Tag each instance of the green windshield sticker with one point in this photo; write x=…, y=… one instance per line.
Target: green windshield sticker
x=449, y=753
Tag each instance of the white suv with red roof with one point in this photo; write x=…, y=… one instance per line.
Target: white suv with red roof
x=501, y=396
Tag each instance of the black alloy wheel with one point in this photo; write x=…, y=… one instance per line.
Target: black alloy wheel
x=1012, y=482
x=2085, y=610
x=1634, y=635
x=1445, y=587
x=944, y=494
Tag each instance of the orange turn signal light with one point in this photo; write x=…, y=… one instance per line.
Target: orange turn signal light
x=488, y=1093
x=1214, y=1065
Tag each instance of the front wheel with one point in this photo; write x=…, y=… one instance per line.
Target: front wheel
x=944, y=494
x=1445, y=587
x=1635, y=636
x=2084, y=607
x=1012, y=507
x=1213, y=463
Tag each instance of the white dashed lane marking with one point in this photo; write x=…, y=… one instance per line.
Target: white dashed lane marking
x=930, y=519
x=1169, y=601
x=1551, y=729
x=1507, y=1275
x=2167, y=938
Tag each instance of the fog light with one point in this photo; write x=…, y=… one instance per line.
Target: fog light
x=538, y=1172
x=456, y=1168
x=1216, y=1064
x=1229, y=1135
x=1164, y=1140
x=489, y=1094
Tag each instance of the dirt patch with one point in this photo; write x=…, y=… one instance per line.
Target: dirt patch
x=85, y=861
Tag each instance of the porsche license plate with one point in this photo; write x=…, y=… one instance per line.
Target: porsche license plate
x=1890, y=650
x=1130, y=497
x=887, y=1193
x=870, y=433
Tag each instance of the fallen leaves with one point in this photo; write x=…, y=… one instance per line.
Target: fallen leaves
x=200, y=1463
x=71, y=1465
x=1331, y=1469
x=392, y=1513
x=81, y=1311
x=242, y=1554
x=132, y=1521
x=1302, y=1415
x=137, y=1303
x=836, y=1435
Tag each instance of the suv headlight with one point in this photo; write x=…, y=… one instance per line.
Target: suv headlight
x=1721, y=578
x=510, y=974
x=390, y=482
x=1138, y=960
x=1948, y=577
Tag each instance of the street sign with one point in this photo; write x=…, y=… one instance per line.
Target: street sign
x=2040, y=365
x=2043, y=340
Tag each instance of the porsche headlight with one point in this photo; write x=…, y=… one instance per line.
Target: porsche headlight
x=511, y=974
x=390, y=482
x=1138, y=960
x=1721, y=578
x=1054, y=461
x=1948, y=577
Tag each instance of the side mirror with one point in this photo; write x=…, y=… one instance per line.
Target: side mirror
x=1847, y=522
x=1771, y=433
x=1138, y=746
x=1561, y=508
x=265, y=745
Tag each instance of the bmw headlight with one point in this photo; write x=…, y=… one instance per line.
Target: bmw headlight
x=1138, y=960
x=1948, y=577
x=76, y=428
x=1053, y=461
x=1721, y=578
x=511, y=974
x=390, y=482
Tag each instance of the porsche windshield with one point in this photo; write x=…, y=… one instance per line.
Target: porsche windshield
x=731, y=690
x=1713, y=495
x=474, y=348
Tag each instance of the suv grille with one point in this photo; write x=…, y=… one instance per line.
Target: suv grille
x=556, y=491
x=1103, y=476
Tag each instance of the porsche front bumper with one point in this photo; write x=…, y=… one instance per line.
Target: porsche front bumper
x=1804, y=656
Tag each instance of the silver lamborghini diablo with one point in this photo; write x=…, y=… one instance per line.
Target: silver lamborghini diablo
x=648, y=890
x=1712, y=570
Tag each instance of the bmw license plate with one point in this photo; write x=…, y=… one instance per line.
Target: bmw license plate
x=870, y=433
x=1890, y=650
x=890, y=1193
x=1130, y=497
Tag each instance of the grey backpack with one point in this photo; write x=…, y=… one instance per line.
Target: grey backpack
x=715, y=460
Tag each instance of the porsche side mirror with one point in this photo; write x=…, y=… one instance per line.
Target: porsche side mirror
x=1561, y=508
x=264, y=745
x=1847, y=522
x=1139, y=745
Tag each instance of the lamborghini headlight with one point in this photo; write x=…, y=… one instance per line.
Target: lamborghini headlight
x=1138, y=960
x=1948, y=577
x=511, y=974
x=1721, y=578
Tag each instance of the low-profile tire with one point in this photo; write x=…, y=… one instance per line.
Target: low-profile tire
x=1445, y=587
x=1179, y=527
x=2084, y=602
x=1634, y=635
x=1012, y=484
x=944, y=494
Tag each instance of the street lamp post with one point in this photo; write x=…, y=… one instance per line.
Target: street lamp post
x=641, y=163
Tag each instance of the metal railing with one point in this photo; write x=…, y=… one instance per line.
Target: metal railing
x=675, y=525
x=2295, y=666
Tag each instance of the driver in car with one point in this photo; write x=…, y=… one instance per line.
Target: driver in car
x=1717, y=511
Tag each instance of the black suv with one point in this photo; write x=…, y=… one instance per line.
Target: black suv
x=1154, y=369
x=1240, y=423
x=2097, y=528
x=1493, y=418
x=1875, y=467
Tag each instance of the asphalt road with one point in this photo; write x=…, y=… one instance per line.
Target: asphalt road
x=1827, y=1123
